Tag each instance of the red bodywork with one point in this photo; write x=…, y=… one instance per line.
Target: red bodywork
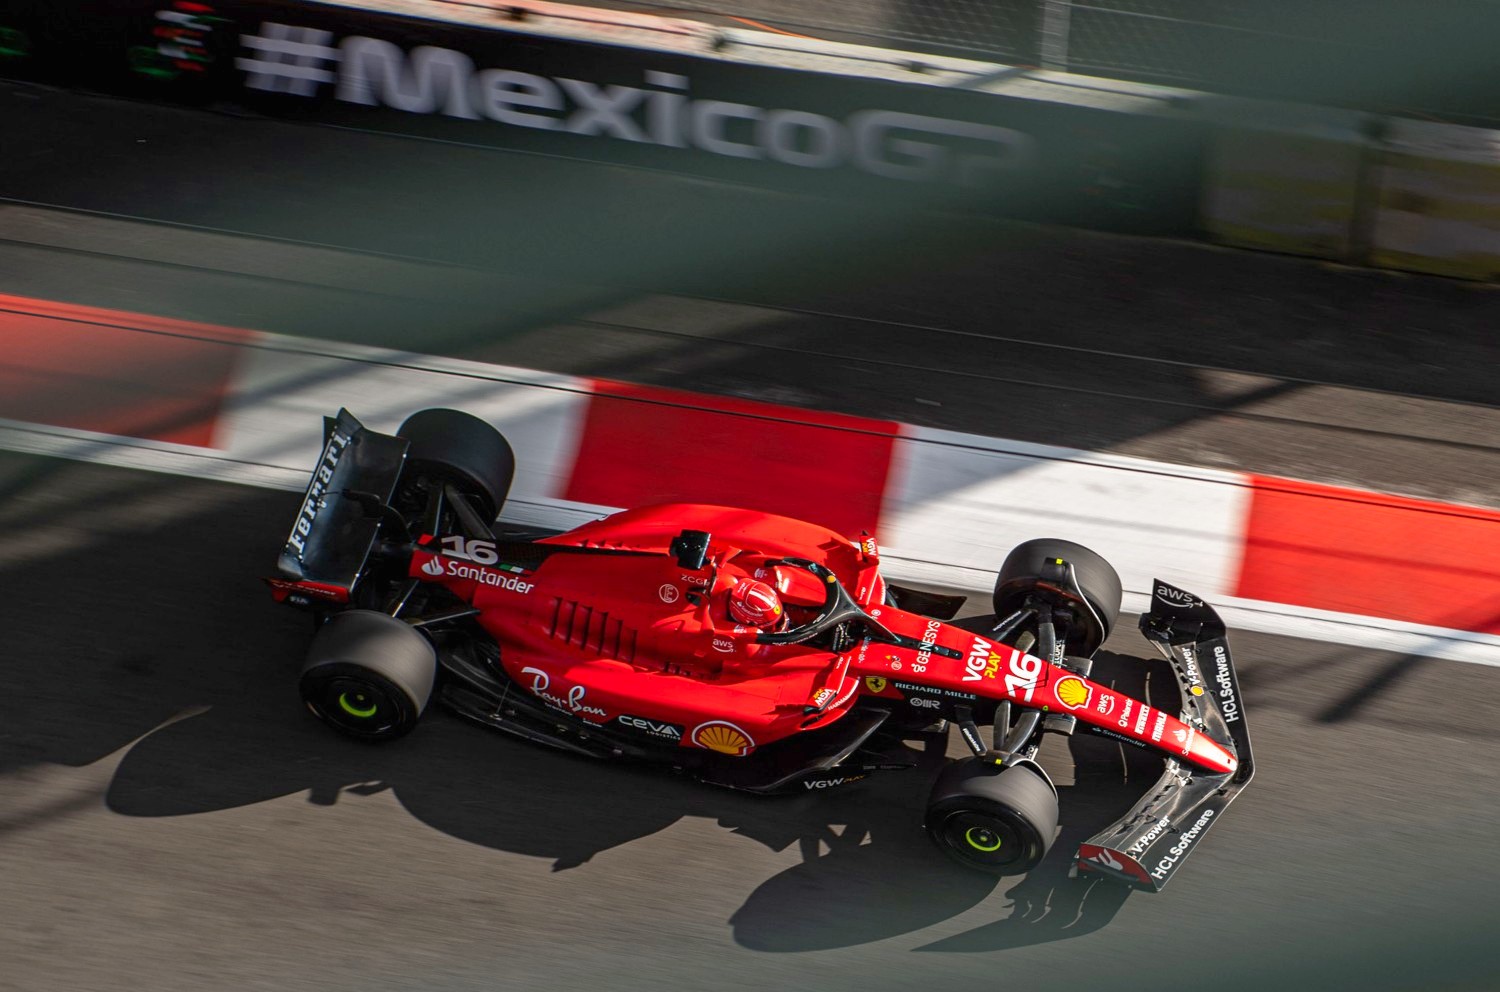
x=636, y=636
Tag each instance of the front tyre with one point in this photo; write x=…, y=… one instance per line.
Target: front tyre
x=999, y=821
x=1027, y=572
x=368, y=675
x=459, y=448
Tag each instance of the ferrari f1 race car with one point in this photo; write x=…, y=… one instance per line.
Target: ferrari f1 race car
x=745, y=649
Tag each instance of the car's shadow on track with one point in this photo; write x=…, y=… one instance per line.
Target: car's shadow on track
x=843, y=891
x=178, y=660
x=867, y=872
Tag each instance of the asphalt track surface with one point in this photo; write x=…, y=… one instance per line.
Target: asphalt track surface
x=171, y=818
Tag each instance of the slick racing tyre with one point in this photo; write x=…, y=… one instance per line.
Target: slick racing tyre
x=368, y=675
x=1029, y=569
x=997, y=821
x=457, y=448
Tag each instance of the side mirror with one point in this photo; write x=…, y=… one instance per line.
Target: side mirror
x=690, y=548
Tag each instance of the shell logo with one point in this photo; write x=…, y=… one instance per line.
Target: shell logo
x=725, y=738
x=1072, y=693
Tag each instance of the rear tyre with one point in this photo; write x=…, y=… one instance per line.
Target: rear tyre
x=999, y=821
x=368, y=675
x=1026, y=572
x=455, y=447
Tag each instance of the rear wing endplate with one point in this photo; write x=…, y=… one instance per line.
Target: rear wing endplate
x=334, y=531
x=1146, y=846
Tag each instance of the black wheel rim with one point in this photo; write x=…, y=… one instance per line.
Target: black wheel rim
x=358, y=706
x=984, y=839
x=440, y=475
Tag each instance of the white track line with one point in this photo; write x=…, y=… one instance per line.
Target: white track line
x=1275, y=618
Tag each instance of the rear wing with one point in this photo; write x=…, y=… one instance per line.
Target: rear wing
x=1147, y=845
x=334, y=531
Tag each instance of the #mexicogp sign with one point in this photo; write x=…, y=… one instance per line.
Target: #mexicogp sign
x=692, y=113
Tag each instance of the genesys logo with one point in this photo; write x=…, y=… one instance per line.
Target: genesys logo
x=661, y=111
x=924, y=653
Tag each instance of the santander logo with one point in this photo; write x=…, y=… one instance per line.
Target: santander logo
x=432, y=567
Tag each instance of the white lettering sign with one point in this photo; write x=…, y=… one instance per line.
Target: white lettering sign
x=373, y=72
x=541, y=682
x=1177, y=850
x=1227, y=702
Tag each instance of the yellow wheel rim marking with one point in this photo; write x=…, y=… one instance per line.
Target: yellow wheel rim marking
x=969, y=835
x=352, y=710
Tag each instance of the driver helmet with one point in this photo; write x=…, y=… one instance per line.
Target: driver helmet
x=755, y=604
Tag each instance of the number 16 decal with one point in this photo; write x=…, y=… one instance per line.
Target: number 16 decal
x=472, y=549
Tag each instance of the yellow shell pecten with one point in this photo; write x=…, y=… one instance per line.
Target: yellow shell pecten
x=722, y=738
x=1072, y=693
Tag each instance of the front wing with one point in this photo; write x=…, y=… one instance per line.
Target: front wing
x=1146, y=846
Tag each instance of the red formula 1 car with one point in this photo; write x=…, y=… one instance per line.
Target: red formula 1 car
x=749, y=650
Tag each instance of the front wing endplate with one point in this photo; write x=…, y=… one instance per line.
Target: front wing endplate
x=1146, y=846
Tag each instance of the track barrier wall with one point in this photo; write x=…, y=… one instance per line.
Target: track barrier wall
x=679, y=96
x=1437, y=202
x=1356, y=188
x=1286, y=178
x=826, y=118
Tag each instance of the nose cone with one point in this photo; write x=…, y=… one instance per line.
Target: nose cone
x=1208, y=753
